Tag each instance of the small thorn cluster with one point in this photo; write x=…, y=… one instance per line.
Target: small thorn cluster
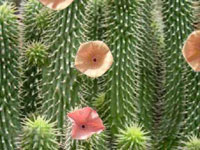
x=38, y=133
x=133, y=137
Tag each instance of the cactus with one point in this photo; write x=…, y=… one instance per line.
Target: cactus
x=175, y=31
x=149, y=72
x=9, y=77
x=192, y=143
x=34, y=58
x=120, y=21
x=191, y=109
x=60, y=86
x=38, y=133
x=36, y=19
x=132, y=137
x=148, y=99
x=93, y=30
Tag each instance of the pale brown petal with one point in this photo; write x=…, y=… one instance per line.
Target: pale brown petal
x=93, y=58
x=191, y=50
x=56, y=4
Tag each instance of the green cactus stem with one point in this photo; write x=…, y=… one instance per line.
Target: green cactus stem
x=33, y=60
x=177, y=26
x=9, y=77
x=148, y=69
x=36, y=19
x=120, y=22
x=192, y=105
x=60, y=86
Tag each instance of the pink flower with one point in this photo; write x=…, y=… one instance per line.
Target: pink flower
x=93, y=58
x=56, y=4
x=191, y=50
x=86, y=122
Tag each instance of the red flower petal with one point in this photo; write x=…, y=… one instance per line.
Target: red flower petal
x=81, y=134
x=86, y=122
x=80, y=116
x=96, y=125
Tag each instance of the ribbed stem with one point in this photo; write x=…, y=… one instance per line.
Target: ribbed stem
x=60, y=86
x=178, y=25
x=9, y=77
x=148, y=71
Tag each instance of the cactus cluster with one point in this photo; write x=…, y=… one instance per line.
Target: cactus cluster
x=147, y=99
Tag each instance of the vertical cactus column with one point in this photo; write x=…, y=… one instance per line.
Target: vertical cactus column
x=120, y=29
x=192, y=105
x=147, y=72
x=177, y=20
x=60, y=86
x=34, y=58
x=36, y=20
x=9, y=77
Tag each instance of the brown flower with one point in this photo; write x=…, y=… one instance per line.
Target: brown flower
x=191, y=50
x=56, y=4
x=93, y=58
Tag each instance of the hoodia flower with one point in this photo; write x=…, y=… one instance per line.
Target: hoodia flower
x=191, y=50
x=93, y=58
x=56, y=4
x=86, y=122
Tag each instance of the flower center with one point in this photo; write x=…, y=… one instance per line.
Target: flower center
x=83, y=126
x=94, y=60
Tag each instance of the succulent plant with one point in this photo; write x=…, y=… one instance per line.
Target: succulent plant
x=9, y=76
x=34, y=58
x=132, y=137
x=36, y=19
x=38, y=133
x=175, y=32
x=120, y=28
x=193, y=143
x=60, y=78
x=147, y=99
